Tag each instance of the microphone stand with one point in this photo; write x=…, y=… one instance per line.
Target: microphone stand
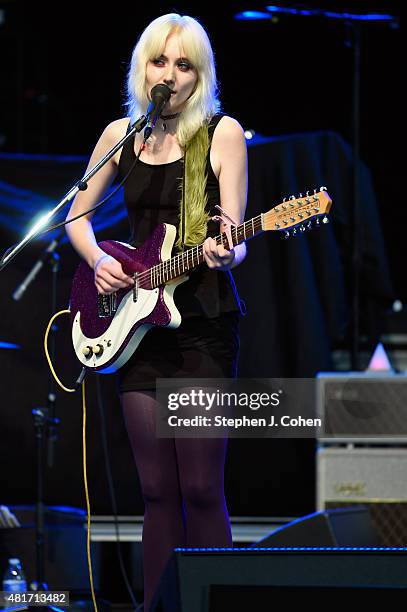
x=355, y=22
x=48, y=255
x=45, y=421
x=81, y=185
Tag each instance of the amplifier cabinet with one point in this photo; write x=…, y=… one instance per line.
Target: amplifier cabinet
x=369, y=476
x=370, y=408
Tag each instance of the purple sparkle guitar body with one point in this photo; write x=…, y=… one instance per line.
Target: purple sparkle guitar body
x=105, y=335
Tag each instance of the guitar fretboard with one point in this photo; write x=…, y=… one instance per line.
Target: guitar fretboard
x=191, y=258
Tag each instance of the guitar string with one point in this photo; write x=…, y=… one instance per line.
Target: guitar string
x=179, y=260
x=163, y=268
x=167, y=268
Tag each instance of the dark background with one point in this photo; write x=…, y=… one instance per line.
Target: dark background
x=63, y=74
x=64, y=70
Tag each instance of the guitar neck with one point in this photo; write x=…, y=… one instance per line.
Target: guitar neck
x=191, y=258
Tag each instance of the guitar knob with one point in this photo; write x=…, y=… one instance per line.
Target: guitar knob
x=87, y=351
x=98, y=350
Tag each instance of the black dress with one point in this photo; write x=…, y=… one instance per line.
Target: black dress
x=206, y=344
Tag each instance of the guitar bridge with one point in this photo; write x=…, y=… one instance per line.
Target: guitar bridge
x=135, y=287
x=107, y=305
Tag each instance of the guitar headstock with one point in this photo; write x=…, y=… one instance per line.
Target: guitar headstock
x=300, y=211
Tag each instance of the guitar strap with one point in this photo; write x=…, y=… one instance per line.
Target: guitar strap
x=183, y=202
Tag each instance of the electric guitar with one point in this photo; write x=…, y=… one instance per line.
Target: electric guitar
x=107, y=329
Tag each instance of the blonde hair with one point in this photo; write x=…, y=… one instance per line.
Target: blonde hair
x=203, y=102
x=193, y=191
x=192, y=127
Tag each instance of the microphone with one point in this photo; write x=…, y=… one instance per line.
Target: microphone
x=160, y=94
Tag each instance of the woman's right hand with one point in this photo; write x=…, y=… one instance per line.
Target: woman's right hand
x=109, y=275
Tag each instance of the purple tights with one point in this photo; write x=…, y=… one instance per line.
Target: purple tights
x=182, y=482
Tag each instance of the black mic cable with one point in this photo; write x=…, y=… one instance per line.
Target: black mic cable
x=160, y=94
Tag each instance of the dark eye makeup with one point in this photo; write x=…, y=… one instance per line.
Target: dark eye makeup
x=181, y=63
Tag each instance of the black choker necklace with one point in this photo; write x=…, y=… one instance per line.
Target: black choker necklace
x=167, y=118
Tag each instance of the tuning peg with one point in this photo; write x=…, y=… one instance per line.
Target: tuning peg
x=294, y=232
x=286, y=234
x=292, y=197
x=317, y=221
x=309, y=225
x=302, y=228
x=325, y=220
x=322, y=188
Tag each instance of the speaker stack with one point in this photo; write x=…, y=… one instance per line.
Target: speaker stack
x=362, y=449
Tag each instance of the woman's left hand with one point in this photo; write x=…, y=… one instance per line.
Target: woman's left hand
x=216, y=255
